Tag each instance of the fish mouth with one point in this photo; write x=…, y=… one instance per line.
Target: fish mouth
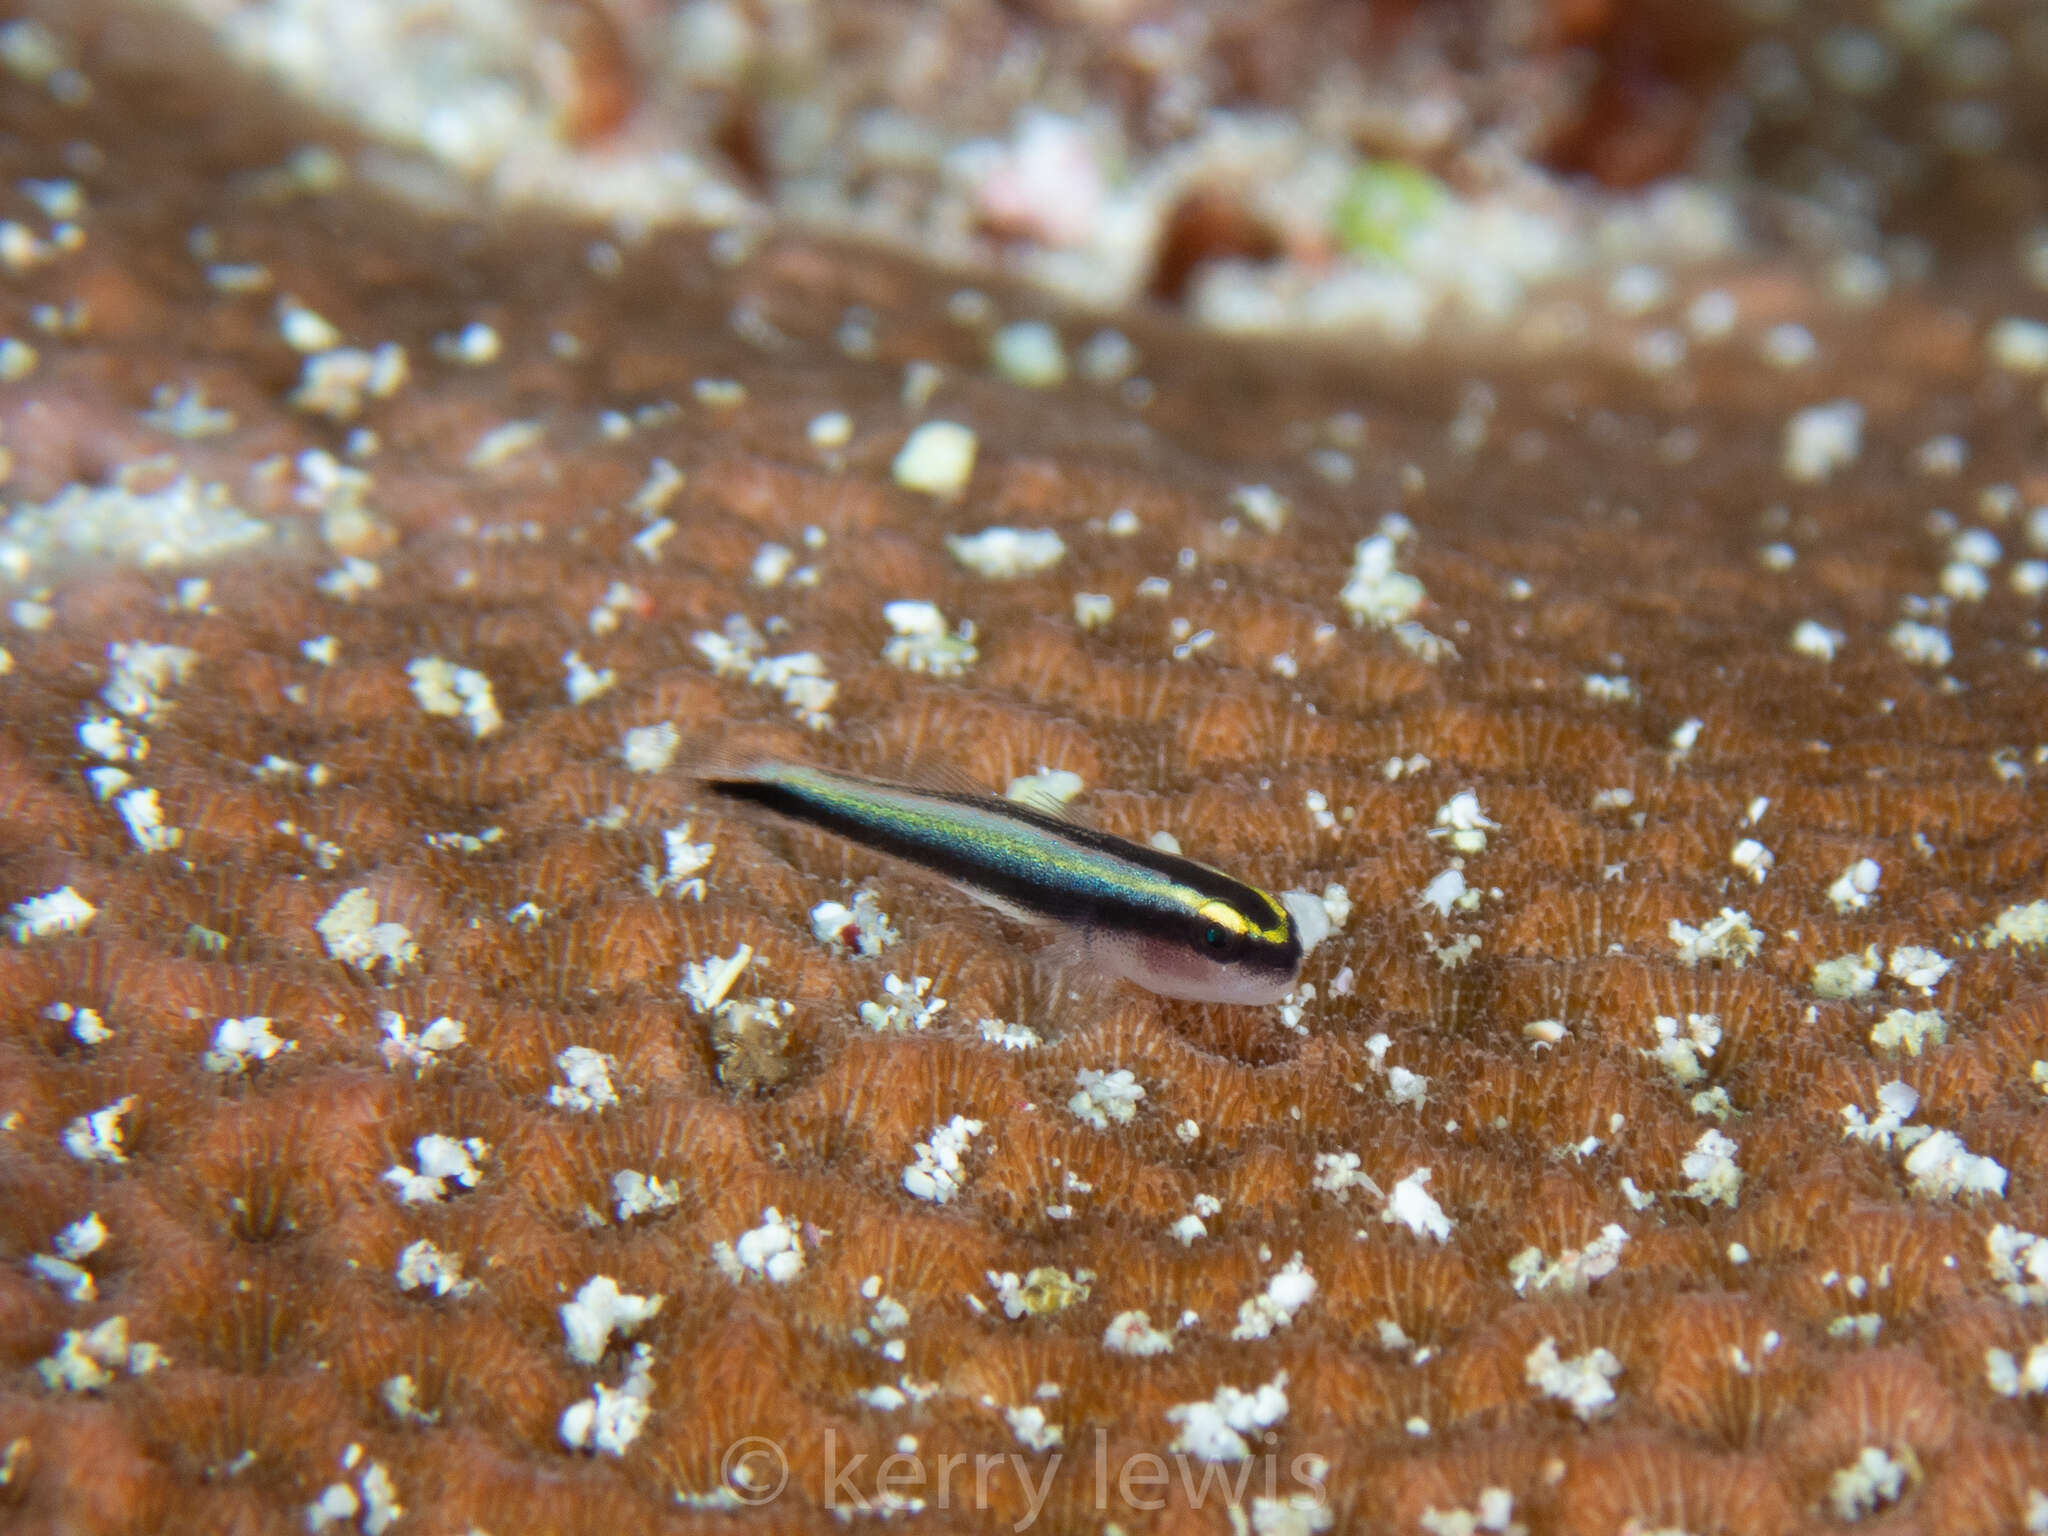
x=1174, y=970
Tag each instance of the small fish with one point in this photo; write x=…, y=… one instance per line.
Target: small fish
x=1169, y=924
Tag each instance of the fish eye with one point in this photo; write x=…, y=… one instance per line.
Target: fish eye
x=1213, y=937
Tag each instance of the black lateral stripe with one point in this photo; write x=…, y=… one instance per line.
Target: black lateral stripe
x=1025, y=857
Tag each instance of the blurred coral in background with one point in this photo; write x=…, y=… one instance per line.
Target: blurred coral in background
x=1271, y=164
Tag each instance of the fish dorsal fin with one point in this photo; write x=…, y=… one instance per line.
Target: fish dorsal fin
x=941, y=776
x=918, y=758
x=1041, y=792
x=931, y=774
x=749, y=753
x=738, y=752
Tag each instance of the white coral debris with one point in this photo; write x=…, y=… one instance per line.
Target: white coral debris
x=2011, y=1377
x=611, y=1418
x=1005, y=553
x=82, y=1239
x=1034, y=1431
x=1049, y=789
x=801, y=681
x=2018, y=344
x=334, y=382
x=2018, y=1262
x=906, y=1006
x=1753, y=859
x=1909, y=1030
x=144, y=813
x=88, y=1359
x=1215, y=1430
x=685, y=862
x=139, y=675
x=96, y=1138
x=707, y=983
x=1871, y=1481
x=372, y=1503
x=442, y=1161
x=1732, y=936
x=937, y=459
x=1896, y=1102
x=642, y=1194
x=65, y=1268
x=1461, y=821
x=1680, y=1050
x=238, y=1044
x=650, y=748
x=1106, y=1096
x=1584, y=1383
x=2020, y=926
x=1856, y=887
x=584, y=680
x=1942, y=1167
x=1376, y=593
x=353, y=935
x=115, y=740
x=921, y=642
x=1039, y=1292
x=1029, y=353
x=1494, y=1515
x=1711, y=1167
x=1447, y=890
x=401, y=1047
x=1336, y=907
x=1312, y=914
x=1262, y=506
x=1290, y=1289
x=72, y=1279
x=862, y=929
x=1918, y=967
x=600, y=1310
x=1812, y=638
x=1847, y=976
x=463, y=693
x=1573, y=1270
x=772, y=564
x=1822, y=439
x=1412, y=1205
x=179, y=524
x=1925, y=645
x=1338, y=1173
x=772, y=1251
x=799, y=677
x=1007, y=1036
x=587, y=1088
x=939, y=1171
x=1132, y=1333
x=58, y=912
x=349, y=581
x=423, y=1266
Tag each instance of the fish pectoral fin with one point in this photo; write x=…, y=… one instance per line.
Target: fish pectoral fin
x=1069, y=974
x=997, y=904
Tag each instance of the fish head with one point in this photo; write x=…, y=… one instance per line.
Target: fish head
x=1221, y=950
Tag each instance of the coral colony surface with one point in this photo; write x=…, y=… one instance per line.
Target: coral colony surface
x=421, y=1111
